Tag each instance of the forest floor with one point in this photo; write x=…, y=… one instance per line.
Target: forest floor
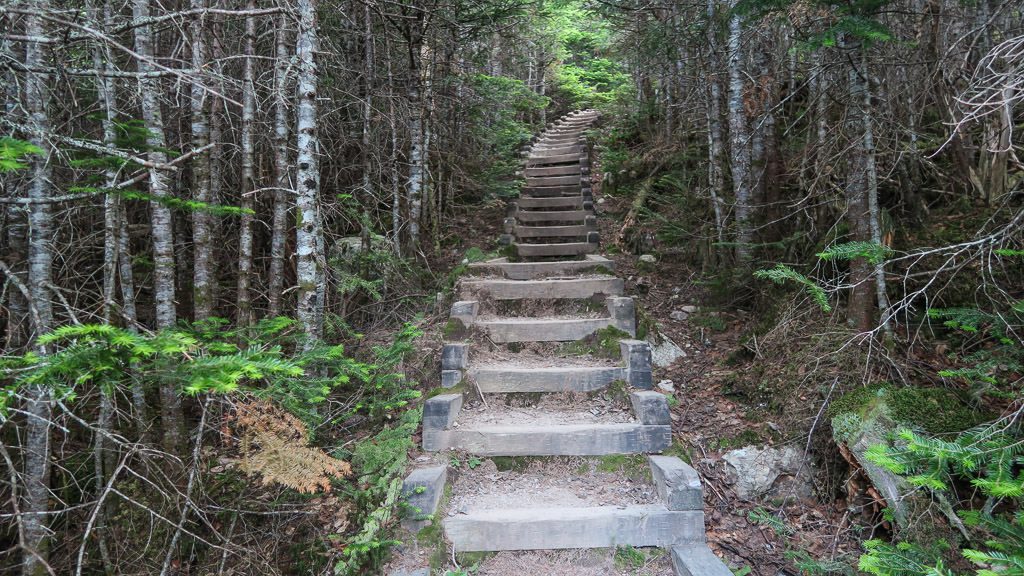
x=711, y=419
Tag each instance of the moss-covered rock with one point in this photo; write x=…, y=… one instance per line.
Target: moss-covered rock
x=934, y=410
x=869, y=416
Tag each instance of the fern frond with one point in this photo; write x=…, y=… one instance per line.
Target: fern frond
x=782, y=273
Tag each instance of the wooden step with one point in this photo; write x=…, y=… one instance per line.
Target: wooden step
x=559, y=528
x=553, y=215
x=512, y=379
x=542, y=330
x=543, y=289
x=522, y=498
x=553, y=159
x=591, y=263
x=553, y=171
x=556, y=249
x=553, y=440
x=553, y=181
x=549, y=191
x=544, y=203
x=548, y=151
x=577, y=231
x=562, y=138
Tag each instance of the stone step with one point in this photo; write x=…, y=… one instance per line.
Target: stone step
x=554, y=216
x=553, y=159
x=534, y=270
x=577, y=231
x=553, y=171
x=557, y=249
x=513, y=378
x=554, y=180
x=575, y=202
x=559, y=528
x=543, y=289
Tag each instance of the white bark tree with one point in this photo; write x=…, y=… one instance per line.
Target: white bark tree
x=172, y=419
x=308, y=242
x=739, y=141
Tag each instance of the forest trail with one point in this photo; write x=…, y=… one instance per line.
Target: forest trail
x=545, y=345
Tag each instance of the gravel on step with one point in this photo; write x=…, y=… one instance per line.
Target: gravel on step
x=570, y=482
x=550, y=410
x=593, y=562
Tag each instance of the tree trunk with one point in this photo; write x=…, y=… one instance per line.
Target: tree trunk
x=172, y=419
x=204, y=262
x=739, y=143
x=417, y=153
x=396, y=187
x=282, y=195
x=308, y=241
x=861, y=310
x=40, y=277
x=245, y=317
x=367, y=199
x=716, y=134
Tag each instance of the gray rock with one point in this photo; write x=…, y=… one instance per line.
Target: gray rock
x=667, y=385
x=679, y=315
x=689, y=309
x=770, y=471
x=665, y=352
x=648, y=258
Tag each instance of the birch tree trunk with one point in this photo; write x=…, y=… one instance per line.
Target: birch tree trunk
x=417, y=153
x=716, y=133
x=161, y=224
x=307, y=236
x=739, y=141
x=203, y=271
x=38, y=404
x=282, y=192
x=244, y=299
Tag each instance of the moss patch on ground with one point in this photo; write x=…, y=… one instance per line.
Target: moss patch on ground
x=603, y=343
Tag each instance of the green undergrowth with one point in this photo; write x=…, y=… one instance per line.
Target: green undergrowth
x=617, y=391
x=634, y=466
x=744, y=438
x=603, y=343
x=679, y=451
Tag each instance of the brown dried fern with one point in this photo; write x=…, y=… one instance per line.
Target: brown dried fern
x=273, y=444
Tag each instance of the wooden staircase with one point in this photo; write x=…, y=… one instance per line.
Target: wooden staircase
x=553, y=228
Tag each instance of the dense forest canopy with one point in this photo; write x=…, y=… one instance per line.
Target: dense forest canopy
x=230, y=232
